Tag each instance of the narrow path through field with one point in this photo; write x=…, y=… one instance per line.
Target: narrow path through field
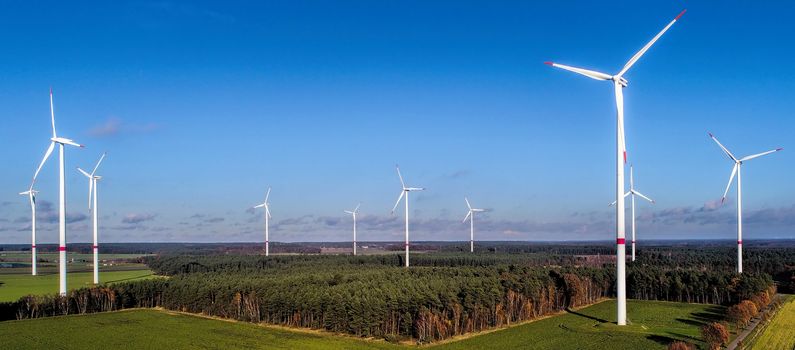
x=755, y=322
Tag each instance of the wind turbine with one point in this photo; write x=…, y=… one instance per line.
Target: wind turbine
x=92, y=189
x=61, y=142
x=736, y=170
x=266, y=205
x=405, y=192
x=471, y=217
x=634, y=193
x=353, y=213
x=619, y=82
x=31, y=193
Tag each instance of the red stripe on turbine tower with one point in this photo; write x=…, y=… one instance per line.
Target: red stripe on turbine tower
x=740, y=242
x=620, y=241
x=61, y=249
x=95, y=247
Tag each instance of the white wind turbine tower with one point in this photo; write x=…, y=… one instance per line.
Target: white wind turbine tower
x=471, y=217
x=31, y=193
x=266, y=205
x=633, y=192
x=736, y=170
x=619, y=82
x=353, y=213
x=405, y=192
x=92, y=190
x=61, y=141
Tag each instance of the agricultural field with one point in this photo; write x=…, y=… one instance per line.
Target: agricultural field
x=15, y=285
x=780, y=333
x=654, y=325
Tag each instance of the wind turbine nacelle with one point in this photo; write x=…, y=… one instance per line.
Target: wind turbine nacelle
x=621, y=81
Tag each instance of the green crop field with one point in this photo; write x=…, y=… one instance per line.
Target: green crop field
x=780, y=333
x=654, y=325
x=15, y=285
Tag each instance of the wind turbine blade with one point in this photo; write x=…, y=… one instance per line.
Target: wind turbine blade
x=761, y=154
x=267, y=194
x=588, y=73
x=400, y=176
x=259, y=206
x=398, y=201
x=642, y=196
x=731, y=156
x=268, y=211
x=84, y=173
x=469, y=213
x=71, y=143
x=731, y=178
x=348, y=211
x=646, y=48
x=52, y=114
x=46, y=155
x=98, y=163
x=467, y=200
x=357, y=208
x=631, y=178
x=620, y=108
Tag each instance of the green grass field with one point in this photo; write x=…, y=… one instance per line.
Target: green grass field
x=152, y=329
x=654, y=325
x=780, y=333
x=15, y=285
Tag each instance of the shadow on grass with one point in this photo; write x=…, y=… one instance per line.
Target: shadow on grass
x=601, y=320
x=130, y=278
x=711, y=314
x=660, y=339
x=691, y=322
x=689, y=338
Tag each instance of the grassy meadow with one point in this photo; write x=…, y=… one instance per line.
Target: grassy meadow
x=154, y=329
x=653, y=326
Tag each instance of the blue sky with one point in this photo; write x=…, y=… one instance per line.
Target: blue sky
x=202, y=106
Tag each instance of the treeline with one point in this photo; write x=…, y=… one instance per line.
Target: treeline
x=741, y=313
x=692, y=285
x=365, y=299
x=441, y=296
